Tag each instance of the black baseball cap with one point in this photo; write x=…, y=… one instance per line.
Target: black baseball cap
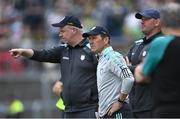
x=96, y=30
x=69, y=20
x=148, y=13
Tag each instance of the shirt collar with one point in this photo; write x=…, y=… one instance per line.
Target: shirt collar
x=106, y=50
x=81, y=44
x=146, y=41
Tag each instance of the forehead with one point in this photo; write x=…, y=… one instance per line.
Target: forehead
x=64, y=28
x=95, y=36
x=68, y=27
x=147, y=19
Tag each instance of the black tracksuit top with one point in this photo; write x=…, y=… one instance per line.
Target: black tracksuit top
x=78, y=71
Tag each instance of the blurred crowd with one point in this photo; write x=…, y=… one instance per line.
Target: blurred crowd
x=27, y=24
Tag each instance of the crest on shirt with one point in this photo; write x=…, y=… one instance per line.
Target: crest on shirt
x=82, y=57
x=66, y=58
x=144, y=53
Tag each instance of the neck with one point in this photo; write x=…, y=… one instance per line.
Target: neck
x=76, y=39
x=152, y=33
x=105, y=47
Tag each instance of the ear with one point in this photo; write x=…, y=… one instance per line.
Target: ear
x=106, y=40
x=73, y=30
x=158, y=22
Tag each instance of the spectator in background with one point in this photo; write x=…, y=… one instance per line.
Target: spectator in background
x=78, y=68
x=111, y=14
x=12, y=19
x=58, y=10
x=15, y=108
x=131, y=27
x=34, y=19
x=114, y=78
x=7, y=63
x=162, y=65
x=141, y=94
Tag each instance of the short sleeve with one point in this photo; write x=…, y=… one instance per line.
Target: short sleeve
x=155, y=54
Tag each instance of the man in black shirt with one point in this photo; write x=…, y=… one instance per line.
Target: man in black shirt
x=78, y=68
x=162, y=65
x=141, y=94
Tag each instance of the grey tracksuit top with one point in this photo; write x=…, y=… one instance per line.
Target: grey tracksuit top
x=113, y=78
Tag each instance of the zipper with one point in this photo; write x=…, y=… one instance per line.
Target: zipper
x=71, y=71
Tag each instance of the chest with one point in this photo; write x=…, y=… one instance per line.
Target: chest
x=139, y=52
x=77, y=58
x=103, y=70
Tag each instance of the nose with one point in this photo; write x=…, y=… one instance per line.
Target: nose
x=90, y=41
x=60, y=35
x=142, y=21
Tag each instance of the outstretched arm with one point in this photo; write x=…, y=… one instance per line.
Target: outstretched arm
x=21, y=52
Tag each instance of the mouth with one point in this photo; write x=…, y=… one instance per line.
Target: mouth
x=142, y=26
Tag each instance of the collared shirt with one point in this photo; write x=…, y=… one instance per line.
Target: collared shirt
x=113, y=78
x=139, y=50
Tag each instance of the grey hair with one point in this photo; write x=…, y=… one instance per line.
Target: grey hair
x=80, y=30
x=170, y=16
